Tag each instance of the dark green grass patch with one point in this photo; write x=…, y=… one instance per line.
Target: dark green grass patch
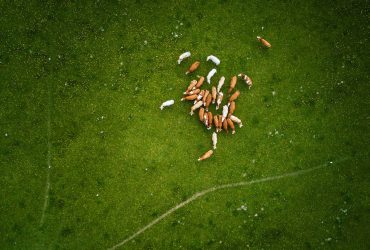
x=118, y=162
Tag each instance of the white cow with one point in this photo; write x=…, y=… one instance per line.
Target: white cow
x=225, y=111
x=220, y=83
x=183, y=56
x=214, y=59
x=196, y=106
x=214, y=140
x=236, y=120
x=210, y=75
x=166, y=104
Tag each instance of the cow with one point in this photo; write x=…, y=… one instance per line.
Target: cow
x=210, y=75
x=201, y=114
x=206, y=155
x=225, y=111
x=189, y=98
x=231, y=108
x=247, y=80
x=234, y=96
x=214, y=140
x=210, y=120
x=193, y=67
x=220, y=84
x=231, y=125
x=219, y=100
x=264, y=42
x=183, y=56
x=232, y=84
x=214, y=59
x=195, y=106
x=166, y=104
x=214, y=94
x=237, y=120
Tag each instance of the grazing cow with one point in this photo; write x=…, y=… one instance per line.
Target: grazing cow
x=201, y=94
x=210, y=75
x=195, y=106
x=189, y=97
x=219, y=122
x=200, y=82
x=215, y=121
x=210, y=120
x=206, y=155
x=214, y=140
x=232, y=84
x=225, y=110
x=237, y=120
x=234, y=96
x=231, y=108
x=191, y=86
x=193, y=92
x=193, y=67
x=214, y=59
x=214, y=94
x=219, y=100
x=208, y=101
x=206, y=93
x=220, y=83
x=264, y=42
x=183, y=56
x=166, y=104
x=247, y=79
x=205, y=119
x=231, y=125
x=225, y=126
x=201, y=114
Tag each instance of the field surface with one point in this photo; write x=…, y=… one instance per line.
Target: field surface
x=88, y=159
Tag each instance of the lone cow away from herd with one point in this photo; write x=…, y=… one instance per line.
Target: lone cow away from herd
x=203, y=98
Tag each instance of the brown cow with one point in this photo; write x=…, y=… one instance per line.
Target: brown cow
x=219, y=122
x=193, y=67
x=234, y=96
x=193, y=92
x=210, y=120
x=206, y=93
x=231, y=125
x=232, y=84
x=264, y=42
x=225, y=126
x=214, y=94
x=206, y=155
x=200, y=82
x=191, y=85
x=231, y=108
x=201, y=114
x=189, y=97
x=208, y=101
x=215, y=121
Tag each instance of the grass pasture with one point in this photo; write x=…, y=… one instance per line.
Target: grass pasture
x=81, y=85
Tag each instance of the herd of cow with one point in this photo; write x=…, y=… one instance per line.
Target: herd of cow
x=203, y=98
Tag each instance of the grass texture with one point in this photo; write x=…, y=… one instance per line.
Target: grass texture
x=88, y=158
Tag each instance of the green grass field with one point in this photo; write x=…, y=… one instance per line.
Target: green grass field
x=81, y=85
